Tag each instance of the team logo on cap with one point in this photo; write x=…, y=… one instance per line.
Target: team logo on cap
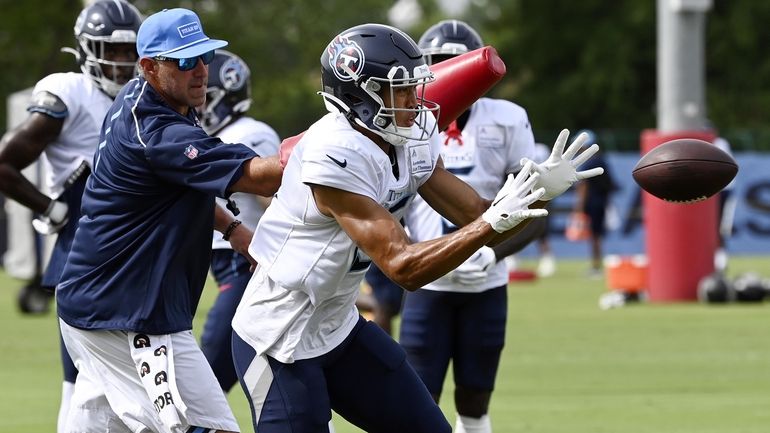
x=186, y=30
x=232, y=74
x=343, y=51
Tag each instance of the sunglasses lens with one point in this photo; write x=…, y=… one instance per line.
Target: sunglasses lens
x=207, y=57
x=188, y=64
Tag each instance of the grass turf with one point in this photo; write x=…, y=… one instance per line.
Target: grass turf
x=567, y=366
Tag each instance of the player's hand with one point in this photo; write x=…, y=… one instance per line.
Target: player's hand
x=474, y=270
x=53, y=219
x=559, y=172
x=511, y=205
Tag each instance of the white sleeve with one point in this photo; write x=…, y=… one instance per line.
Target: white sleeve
x=341, y=167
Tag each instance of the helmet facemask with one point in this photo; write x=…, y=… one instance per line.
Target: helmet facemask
x=109, y=75
x=384, y=123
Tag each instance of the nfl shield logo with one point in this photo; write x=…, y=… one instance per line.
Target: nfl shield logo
x=191, y=152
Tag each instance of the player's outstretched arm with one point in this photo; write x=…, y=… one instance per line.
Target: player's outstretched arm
x=261, y=176
x=559, y=172
x=382, y=238
x=412, y=265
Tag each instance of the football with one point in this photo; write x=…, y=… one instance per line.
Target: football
x=685, y=170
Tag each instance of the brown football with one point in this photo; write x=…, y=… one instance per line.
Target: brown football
x=685, y=170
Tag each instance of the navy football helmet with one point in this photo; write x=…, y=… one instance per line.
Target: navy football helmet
x=365, y=63
x=97, y=28
x=447, y=39
x=229, y=91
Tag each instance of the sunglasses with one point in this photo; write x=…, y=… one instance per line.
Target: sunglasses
x=189, y=63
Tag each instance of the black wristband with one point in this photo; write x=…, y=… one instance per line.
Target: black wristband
x=230, y=229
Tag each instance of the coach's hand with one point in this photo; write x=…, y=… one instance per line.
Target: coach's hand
x=474, y=270
x=559, y=171
x=511, y=205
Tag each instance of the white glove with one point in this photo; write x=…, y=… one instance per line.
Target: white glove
x=511, y=205
x=474, y=270
x=559, y=171
x=53, y=219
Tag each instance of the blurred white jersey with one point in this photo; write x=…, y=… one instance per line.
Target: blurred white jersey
x=77, y=142
x=495, y=138
x=301, y=301
x=263, y=140
x=722, y=144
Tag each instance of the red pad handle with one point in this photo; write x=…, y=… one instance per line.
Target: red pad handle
x=462, y=80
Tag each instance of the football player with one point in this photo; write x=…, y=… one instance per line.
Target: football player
x=66, y=113
x=300, y=346
x=228, y=98
x=461, y=316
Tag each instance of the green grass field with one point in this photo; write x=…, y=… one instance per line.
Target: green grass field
x=567, y=366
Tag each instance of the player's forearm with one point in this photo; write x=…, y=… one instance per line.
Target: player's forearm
x=17, y=187
x=423, y=262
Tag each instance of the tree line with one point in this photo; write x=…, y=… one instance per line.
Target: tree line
x=586, y=64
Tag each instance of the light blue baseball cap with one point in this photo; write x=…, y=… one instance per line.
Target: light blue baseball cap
x=175, y=33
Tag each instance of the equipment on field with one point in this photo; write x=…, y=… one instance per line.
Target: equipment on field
x=715, y=289
x=749, y=287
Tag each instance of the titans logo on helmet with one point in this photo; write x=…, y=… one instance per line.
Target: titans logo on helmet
x=343, y=51
x=232, y=74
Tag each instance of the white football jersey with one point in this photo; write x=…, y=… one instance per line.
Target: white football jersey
x=495, y=138
x=301, y=301
x=79, y=137
x=263, y=140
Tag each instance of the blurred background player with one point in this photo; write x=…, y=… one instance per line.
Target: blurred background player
x=592, y=197
x=66, y=113
x=727, y=203
x=461, y=316
x=228, y=98
x=546, y=265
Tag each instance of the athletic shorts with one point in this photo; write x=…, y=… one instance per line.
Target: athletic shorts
x=365, y=379
x=130, y=382
x=231, y=272
x=466, y=328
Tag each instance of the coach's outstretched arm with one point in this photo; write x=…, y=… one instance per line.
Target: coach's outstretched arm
x=261, y=176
